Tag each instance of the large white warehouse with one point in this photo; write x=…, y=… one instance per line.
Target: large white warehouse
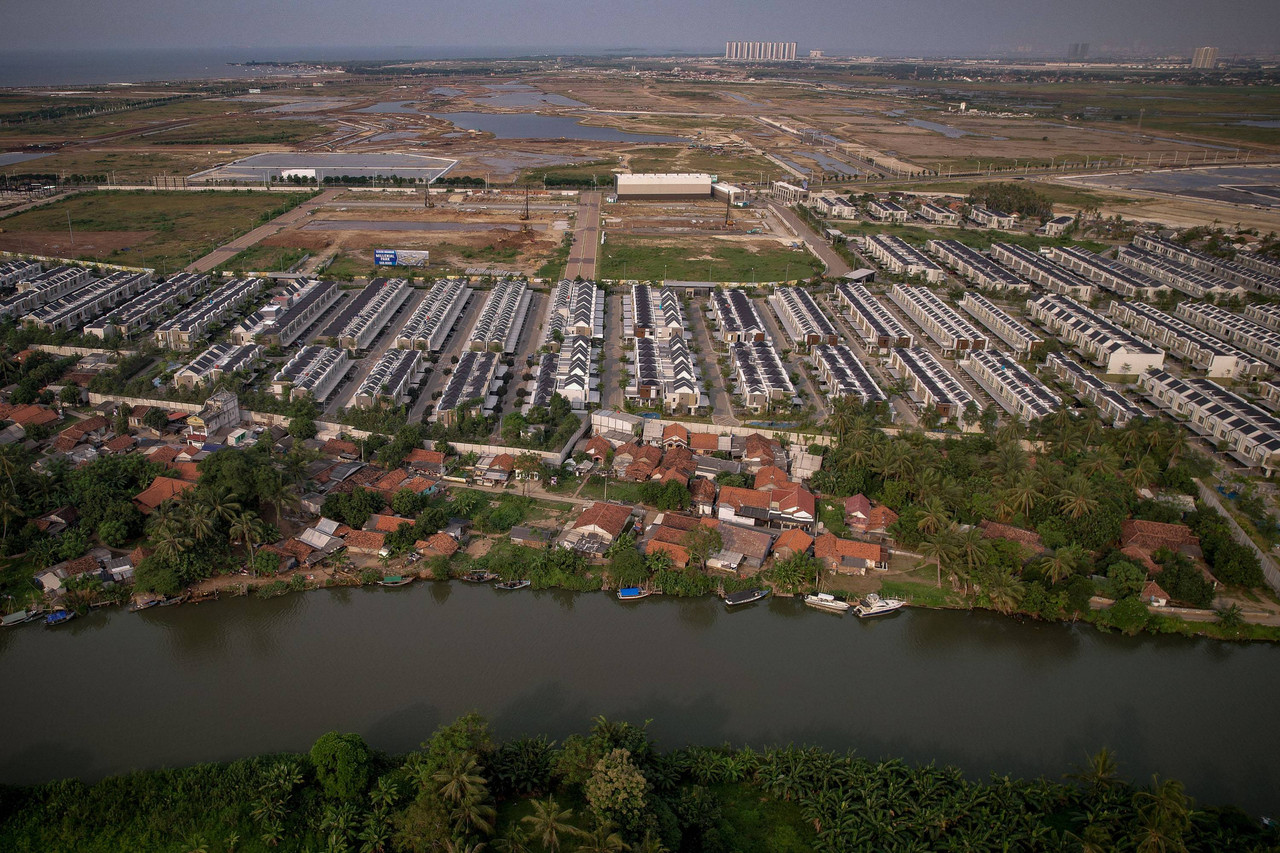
x=663, y=186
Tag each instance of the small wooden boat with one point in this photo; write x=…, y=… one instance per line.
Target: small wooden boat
x=480, y=577
x=58, y=617
x=19, y=617
x=395, y=580
x=143, y=605
x=874, y=605
x=521, y=584
x=172, y=600
x=737, y=599
x=633, y=593
x=827, y=601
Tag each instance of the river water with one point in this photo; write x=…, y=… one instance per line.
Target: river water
x=115, y=691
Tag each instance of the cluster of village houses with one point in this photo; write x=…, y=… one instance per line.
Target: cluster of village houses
x=772, y=517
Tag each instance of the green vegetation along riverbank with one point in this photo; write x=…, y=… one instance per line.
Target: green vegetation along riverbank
x=610, y=790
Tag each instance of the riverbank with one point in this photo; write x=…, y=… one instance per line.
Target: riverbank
x=1184, y=622
x=465, y=787
x=255, y=675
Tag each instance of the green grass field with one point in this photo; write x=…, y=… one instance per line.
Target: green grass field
x=184, y=225
x=238, y=130
x=265, y=259
x=638, y=257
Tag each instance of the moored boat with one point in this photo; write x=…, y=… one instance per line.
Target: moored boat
x=826, y=601
x=172, y=600
x=18, y=617
x=874, y=605
x=480, y=577
x=747, y=596
x=395, y=580
x=58, y=617
x=143, y=605
x=519, y=584
x=632, y=593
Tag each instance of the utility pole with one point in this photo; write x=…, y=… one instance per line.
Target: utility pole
x=70, y=233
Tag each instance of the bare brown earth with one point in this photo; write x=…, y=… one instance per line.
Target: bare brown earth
x=60, y=243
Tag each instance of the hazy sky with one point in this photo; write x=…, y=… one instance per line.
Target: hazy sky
x=883, y=27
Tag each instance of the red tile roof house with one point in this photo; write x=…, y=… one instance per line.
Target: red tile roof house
x=500, y=468
x=703, y=493
x=771, y=477
x=675, y=435
x=340, y=448
x=598, y=448
x=1151, y=536
x=120, y=444
x=758, y=451
x=704, y=443
x=386, y=523
x=604, y=519
x=365, y=541
x=30, y=416
x=437, y=544
x=848, y=557
x=428, y=461
x=678, y=553
x=160, y=490
x=1026, y=538
x=793, y=541
x=90, y=429
x=793, y=506
x=861, y=515
x=743, y=506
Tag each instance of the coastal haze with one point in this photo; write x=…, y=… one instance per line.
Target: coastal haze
x=899, y=379
x=236, y=678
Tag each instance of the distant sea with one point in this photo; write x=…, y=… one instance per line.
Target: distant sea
x=73, y=67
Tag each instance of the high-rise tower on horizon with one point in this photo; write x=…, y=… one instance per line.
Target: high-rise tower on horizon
x=764, y=51
x=1205, y=57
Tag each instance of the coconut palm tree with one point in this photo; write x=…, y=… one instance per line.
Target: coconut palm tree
x=246, y=527
x=219, y=503
x=603, y=838
x=971, y=548
x=550, y=823
x=514, y=840
x=933, y=518
x=10, y=463
x=1100, y=771
x=1076, y=498
x=1061, y=564
x=1008, y=461
x=1102, y=460
x=1003, y=589
x=195, y=518
x=461, y=780
x=938, y=548
x=1021, y=496
x=9, y=509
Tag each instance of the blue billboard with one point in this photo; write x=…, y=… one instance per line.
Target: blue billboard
x=384, y=257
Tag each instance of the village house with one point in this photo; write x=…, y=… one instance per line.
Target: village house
x=1026, y=538
x=365, y=542
x=597, y=527
x=847, y=556
x=161, y=489
x=791, y=542
x=702, y=495
x=863, y=516
x=743, y=549
x=437, y=545
x=426, y=461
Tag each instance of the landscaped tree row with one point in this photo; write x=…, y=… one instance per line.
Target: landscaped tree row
x=611, y=790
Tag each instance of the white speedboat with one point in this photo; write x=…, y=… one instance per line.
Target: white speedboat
x=826, y=601
x=874, y=605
